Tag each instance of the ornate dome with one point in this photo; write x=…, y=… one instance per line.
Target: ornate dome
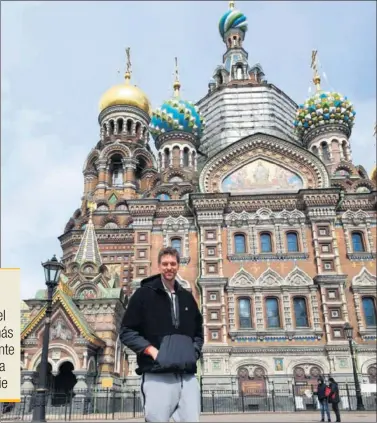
x=324, y=108
x=125, y=94
x=232, y=19
x=176, y=114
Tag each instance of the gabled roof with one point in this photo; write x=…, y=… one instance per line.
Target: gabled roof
x=63, y=296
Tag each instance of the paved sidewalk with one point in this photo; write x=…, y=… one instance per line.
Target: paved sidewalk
x=347, y=417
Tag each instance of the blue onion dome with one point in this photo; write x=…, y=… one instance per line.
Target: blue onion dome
x=324, y=108
x=176, y=114
x=232, y=19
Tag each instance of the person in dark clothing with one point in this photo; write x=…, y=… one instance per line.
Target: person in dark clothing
x=334, y=398
x=323, y=400
x=164, y=327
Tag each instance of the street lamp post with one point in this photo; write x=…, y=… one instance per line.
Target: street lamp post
x=52, y=272
x=348, y=329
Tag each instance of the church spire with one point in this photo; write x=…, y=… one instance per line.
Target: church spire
x=177, y=84
x=89, y=250
x=314, y=66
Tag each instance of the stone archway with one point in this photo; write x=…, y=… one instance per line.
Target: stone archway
x=65, y=380
x=50, y=378
x=306, y=378
x=252, y=381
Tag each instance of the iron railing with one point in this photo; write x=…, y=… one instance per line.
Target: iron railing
x=116, y=404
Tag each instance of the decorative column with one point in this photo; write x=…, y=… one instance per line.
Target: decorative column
x=181, y=157
x=130, y=167
x=344, y=302
x=336, y=250
x=80, y=390
x=219, y=247
x=287, y=316
x=325, y=314
x=279, y=246
x=231, y=318
x=102, y=164
x=314, y=308
x=316, y=248
x=259, y=309
x=359, y=317
x=223, y=316
x=303, y=237
x=369, y=240
x=204, y=305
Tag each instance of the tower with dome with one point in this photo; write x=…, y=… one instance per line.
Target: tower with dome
x=275, y=225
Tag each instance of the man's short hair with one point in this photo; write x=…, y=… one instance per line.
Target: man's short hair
x=168, y=251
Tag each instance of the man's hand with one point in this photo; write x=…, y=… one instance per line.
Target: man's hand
x=152, y=351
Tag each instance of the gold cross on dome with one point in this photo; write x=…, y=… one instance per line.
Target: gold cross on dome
x=128, y=63
x=314, y=61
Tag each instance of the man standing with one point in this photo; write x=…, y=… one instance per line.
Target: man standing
x=163, y=326
x=323, y=399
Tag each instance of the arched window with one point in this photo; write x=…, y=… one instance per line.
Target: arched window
x=301, y=312
x=244, y=313
x=177, y=244
x=186, y=157
x=129, y=126
x=167, y=157
x=138, y=129
x=292, y=242
x=325, y=152
x=344, y=149
x=119, y=126
x=272, y=313
x=163, y=196
x=239, y=72
x=357, y=242
x=240, y=243
x=369, y=307
x=112, y=127
x=266, y=244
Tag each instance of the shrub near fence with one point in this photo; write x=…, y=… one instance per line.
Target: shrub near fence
x=111, y=404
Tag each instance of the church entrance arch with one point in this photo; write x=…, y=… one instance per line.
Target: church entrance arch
x=306, y=379
x=65, y=380
x=50, y=378
x=252, y=381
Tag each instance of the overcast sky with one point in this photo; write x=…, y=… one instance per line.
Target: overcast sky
x=57, y=58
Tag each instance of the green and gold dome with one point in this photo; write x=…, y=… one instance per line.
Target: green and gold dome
x=322, y=109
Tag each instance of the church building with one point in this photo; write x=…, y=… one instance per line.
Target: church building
x=274, y=222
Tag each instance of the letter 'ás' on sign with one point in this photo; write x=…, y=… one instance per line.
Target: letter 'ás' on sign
x=10, y=335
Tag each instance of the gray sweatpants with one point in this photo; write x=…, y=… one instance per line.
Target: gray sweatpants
x=170, y=395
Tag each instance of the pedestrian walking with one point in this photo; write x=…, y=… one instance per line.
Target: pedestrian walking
x=163, y=326
x=334, y=398
x=322, y=392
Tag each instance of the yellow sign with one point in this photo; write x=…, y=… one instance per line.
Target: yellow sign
x=10, y=328
x=107, y=382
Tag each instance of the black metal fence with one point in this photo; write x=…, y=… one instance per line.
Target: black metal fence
x=112, y=404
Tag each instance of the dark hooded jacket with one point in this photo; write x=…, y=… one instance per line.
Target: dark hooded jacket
x=150, y=320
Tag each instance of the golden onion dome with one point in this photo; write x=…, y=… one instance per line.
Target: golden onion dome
x=125, y=94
